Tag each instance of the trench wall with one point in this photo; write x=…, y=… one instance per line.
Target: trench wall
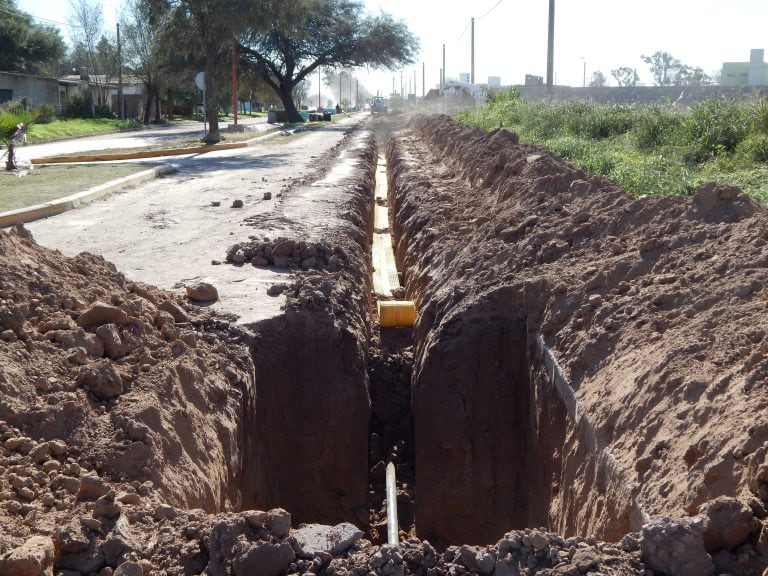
x=497, y=447
x=306, y=441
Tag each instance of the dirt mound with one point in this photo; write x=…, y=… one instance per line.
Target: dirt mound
x=621, y=339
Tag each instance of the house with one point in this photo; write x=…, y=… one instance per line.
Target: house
x=752, y=73
x=39, y=90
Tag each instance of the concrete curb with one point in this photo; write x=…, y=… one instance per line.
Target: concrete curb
x=136, y=155
x=30, y=213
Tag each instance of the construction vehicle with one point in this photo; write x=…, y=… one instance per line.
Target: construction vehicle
x=378, y=105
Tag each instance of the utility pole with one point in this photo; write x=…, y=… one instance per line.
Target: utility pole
x=551, y=45
x=442, y=80
x=423, y=78
x=120, y=99
x=472, y=75
x=234, y=78
x=319, y=90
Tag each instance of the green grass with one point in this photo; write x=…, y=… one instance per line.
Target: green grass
x=59, y=129
x=46, y=183
x=657, y=149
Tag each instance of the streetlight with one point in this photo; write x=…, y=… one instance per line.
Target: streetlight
x=585, y=72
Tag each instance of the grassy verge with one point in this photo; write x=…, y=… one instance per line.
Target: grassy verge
x=656, y=149
x=47, y=183
x=59, y=129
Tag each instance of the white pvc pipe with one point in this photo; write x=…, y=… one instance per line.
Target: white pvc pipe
x=393, y=530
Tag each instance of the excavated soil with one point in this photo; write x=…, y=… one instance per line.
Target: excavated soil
x=586, y=367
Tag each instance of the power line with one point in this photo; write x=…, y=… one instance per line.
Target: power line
x=17, y=12
x=491, y=10
x=464, y=32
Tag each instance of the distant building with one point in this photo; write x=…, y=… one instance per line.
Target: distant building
x=752, y=73
x=531, y=80
x=464, y=77
x=494, y=81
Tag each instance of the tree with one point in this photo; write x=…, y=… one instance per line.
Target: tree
x=598, y=80
x=694, y=77
x=87, y=24
x=663, y=66
x=204, y=29
x=302, y=35
x=142, y=47
x=625, y=76
x=27, y=47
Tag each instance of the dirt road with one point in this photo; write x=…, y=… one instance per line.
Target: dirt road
x=171, y=232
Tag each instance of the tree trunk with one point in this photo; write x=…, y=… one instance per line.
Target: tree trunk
x=148, y=106
x=170, y=104
x=211, y=111
x=10, y=163
x=286, y=97
x=157, y=105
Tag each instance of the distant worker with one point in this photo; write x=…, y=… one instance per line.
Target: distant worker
x=338, y=108
x=21, y=133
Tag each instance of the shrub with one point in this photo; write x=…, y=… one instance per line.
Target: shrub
x=754, y=148
x=760, y=116
x=78, y=106
x=713, y=128
x=45, y=114
x=655, y=126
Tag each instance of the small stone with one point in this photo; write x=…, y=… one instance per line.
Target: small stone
x=267, y=195
x=33, y=558
x=40, y=453
x=100, y=313
x=130, y=498
x=93, y=524
x=178, y=313
x=237, y=204
x=91, y=488
x=8, y=336
x=202, y=292
x=106, y=507
x=165, y=512
x=57, y=447
x=26, y=493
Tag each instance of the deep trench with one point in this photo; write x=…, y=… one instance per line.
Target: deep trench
x=485, y=437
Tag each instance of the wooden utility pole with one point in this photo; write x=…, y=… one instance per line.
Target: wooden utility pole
x=234, y=78
x=120, y=99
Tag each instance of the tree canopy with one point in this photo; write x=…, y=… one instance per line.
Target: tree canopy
x=27, y=46
x=625, y=76
x=669, y=71
x=287, y=40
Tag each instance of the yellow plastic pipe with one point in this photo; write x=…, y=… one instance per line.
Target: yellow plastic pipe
x=396, y=313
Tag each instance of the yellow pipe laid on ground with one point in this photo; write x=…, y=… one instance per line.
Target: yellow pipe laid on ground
x=397, y=313
x=106, y=156
x=392, y=313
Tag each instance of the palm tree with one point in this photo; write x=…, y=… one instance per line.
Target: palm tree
x=10, y=120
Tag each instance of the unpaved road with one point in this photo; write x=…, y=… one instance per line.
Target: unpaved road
x=171, y=232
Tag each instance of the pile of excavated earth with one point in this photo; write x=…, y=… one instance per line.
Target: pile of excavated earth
x=583, y=391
